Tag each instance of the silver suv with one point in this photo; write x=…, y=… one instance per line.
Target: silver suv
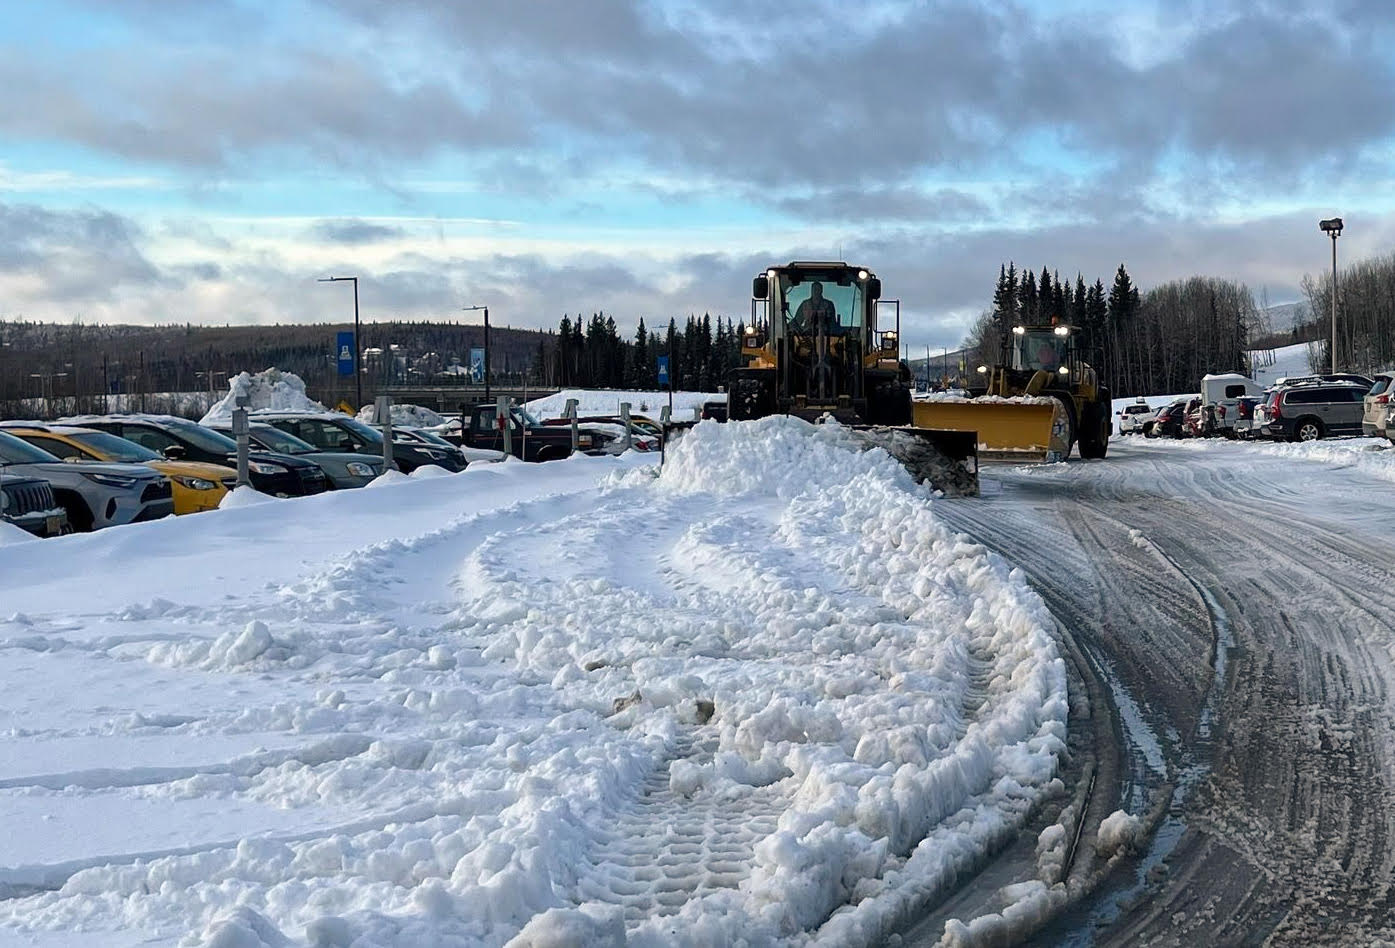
x=1311, y=409
x=94, y=494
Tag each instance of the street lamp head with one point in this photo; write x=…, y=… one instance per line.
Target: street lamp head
x=1332, y=226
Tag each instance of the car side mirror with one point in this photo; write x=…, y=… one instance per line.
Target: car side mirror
x=174, y=453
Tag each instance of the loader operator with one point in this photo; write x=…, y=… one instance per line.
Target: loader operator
x=1047, y=357
x=816, y=312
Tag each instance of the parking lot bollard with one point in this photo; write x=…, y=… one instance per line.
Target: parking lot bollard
x=382, y=411
x=625, y=420
x=241, y=432
x=503, y=407
x=571, y=413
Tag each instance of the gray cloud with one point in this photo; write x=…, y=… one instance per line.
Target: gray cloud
x=74, y=256
x=352, y=232
x=821, y=103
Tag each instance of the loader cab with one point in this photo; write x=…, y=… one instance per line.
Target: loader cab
x=812, y=347
x=1049, y=349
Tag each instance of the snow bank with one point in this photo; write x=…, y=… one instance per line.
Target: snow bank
x=607, y=402
x=1373, y=456
x=761, y=696
x=244, y=496
x=406, y=415
x=270, y=389
x=960, y=398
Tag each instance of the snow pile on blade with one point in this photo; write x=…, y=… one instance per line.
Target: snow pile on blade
x=762, y=696
x=270, y=389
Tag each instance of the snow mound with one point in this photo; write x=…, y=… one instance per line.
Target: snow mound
x=244, y=496
x=1118, y=832
x=959, y=398
x=406, y=415
x=269, y=390
x=9, y=533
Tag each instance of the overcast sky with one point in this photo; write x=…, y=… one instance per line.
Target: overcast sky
x=207, y=161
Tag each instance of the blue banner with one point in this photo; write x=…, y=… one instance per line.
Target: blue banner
x=663, y=370
x=345, y=347
x=477, y=365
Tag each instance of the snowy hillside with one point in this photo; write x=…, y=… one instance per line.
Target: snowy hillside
x=506, y=703
x=1273, y=364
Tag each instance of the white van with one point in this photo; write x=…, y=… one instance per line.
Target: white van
x=1222, y=393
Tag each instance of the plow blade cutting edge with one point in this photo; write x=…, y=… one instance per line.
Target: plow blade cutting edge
x=1005, y=430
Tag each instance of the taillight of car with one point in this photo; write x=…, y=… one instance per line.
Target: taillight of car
x=1274, y=413
x=1220, y=409
x=1382, y=399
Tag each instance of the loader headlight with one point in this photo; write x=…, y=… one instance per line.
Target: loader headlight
x=1064, y=370
x=983, y=370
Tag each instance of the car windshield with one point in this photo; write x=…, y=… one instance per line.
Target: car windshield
x=372, y=435
x=274, y=439
x=15, y=451
x=205, y=439
x=113, y=448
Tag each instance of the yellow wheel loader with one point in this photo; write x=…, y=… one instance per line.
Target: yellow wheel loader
x=1038, y=401
x=813, y=349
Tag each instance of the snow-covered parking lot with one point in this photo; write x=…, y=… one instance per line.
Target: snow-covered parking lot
x=762, y=694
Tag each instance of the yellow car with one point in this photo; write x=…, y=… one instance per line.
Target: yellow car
x=197, y=486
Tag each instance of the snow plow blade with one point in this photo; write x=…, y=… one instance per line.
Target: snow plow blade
x=947, y=460
x=1024, y=432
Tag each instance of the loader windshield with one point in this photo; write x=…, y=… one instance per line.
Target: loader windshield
x=810, y=304
x=1039, y=349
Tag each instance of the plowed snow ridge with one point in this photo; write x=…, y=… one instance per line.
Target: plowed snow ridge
x=764, y=694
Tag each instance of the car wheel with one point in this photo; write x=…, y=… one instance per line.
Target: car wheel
x=1309, y=429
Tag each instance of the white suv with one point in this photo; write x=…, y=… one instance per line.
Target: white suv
x=1132, y=417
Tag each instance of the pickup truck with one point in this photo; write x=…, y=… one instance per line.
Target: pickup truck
x=27, y=502
x=529, y=439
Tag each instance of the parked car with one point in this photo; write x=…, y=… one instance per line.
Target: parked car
x=93, y=494
x=1221, y=394
x=28, y=503
x=280, y=475
x=609, y=432
x=1338, y=377
x=1376, y=406
x=1245, y=407
x=344, y=469
x=1306, y=411
x=1132, y=417
x=529, y=439
x=197, y=486
x=425, y=439
x=331, y=431
x=1170, y=420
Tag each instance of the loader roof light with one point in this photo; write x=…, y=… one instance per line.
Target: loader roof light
x=750, y=330
x=983, y=370
x=771, y=274
x=1062, y=330
x=1019, y=330
x=863, y=275
x=1064, y=370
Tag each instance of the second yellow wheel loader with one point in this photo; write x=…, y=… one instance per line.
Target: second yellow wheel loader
x=1039, y=400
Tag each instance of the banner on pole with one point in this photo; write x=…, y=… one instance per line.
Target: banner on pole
x=344, y=345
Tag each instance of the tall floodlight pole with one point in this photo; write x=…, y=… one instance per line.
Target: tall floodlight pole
x=1333, y=229
x=358, y=374
x=470, y=309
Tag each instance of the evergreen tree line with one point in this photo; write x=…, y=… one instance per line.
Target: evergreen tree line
x=1365, y=316
x=1140, y=344
x=595, y=356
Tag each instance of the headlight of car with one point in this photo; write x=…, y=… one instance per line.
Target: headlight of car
x=359, y=469
x=195, y=483
x=261, y=467
x=110, y=480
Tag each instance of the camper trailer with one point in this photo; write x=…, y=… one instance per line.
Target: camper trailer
x=1220, y=399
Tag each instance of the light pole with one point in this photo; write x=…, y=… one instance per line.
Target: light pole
x=470, y=309
x=1333, y=229
x=358, y=373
